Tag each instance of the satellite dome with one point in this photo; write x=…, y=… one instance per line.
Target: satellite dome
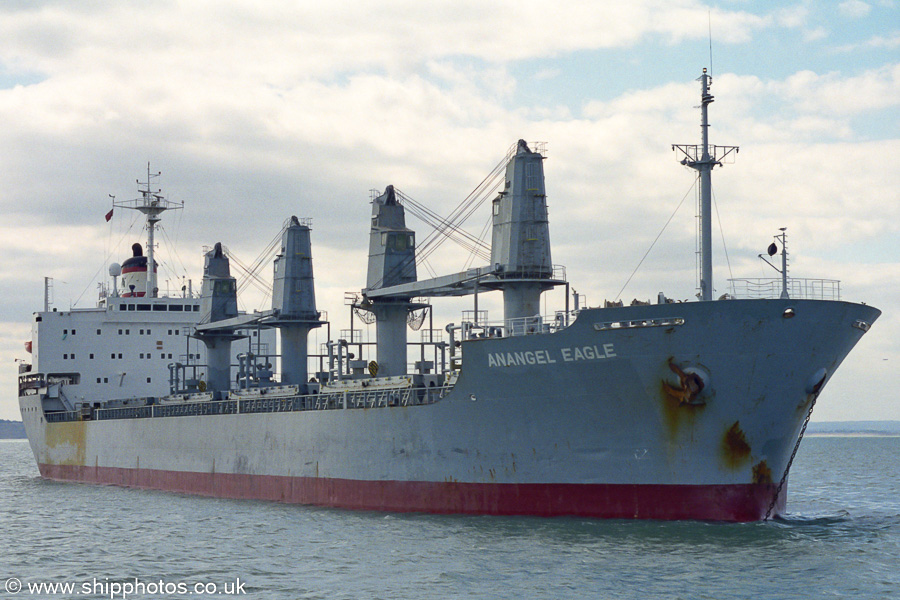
x=115, y=269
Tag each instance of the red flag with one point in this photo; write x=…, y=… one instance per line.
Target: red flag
x=109, y=214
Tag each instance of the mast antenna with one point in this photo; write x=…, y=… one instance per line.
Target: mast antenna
x=709, y=20
x=703, y=158
x=773, y=249
x=152, y=204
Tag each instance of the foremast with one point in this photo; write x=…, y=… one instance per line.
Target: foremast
x=152, y=204
x=703, y=158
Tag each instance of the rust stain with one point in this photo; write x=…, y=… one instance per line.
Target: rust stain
x=676, y=413
x=671, y=414
x=735, y=449
x=66, y=442
x=762, y=473
x=818, y=387
x=677, y=400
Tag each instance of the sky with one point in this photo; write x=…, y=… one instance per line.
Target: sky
x=254, y=111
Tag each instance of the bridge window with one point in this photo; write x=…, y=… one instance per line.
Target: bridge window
x=398, y=241
x=224, y=286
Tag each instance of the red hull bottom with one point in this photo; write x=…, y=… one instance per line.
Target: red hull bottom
x=738, y=502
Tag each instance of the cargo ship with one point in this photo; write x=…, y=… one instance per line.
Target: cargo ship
x=672, y=410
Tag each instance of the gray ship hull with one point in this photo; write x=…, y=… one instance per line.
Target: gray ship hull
x=672, y=411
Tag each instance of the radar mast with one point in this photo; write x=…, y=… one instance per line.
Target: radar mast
x=703, y=158
x=152, y=204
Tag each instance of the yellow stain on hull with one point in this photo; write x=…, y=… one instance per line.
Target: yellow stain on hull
x=65, y=442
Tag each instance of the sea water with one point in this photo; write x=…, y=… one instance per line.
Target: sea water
x=841, y=539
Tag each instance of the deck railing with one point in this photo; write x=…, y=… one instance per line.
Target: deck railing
x=347, y=399
x=534, y=325
x=797, y=288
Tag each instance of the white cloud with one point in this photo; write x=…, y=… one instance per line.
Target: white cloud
x=889, y=42
x=812, y=35
x=810, y=102
x=836, y=94
x=854, y=9
x=545, y=74
x=792, y=16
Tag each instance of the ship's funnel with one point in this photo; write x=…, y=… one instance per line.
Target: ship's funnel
x=134, y=273
x=294, y=300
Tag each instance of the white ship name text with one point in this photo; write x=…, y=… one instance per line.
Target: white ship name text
x=544, y=357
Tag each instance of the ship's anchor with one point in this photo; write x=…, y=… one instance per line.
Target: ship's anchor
x=690, y=385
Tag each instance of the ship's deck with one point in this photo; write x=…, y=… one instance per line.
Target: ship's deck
x=348, y=399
